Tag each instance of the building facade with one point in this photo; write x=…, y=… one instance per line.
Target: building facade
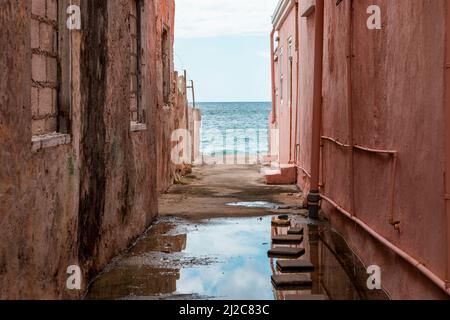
x=88, y=99
x=361, y=104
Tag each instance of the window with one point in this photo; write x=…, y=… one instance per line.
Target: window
x=134, y=21
x=51, y=99
x=290, y=47
x=45, y=74
x=289, y=87
x=280, y=70
x=165, y=54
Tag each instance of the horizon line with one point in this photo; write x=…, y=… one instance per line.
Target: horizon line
x=237, y=101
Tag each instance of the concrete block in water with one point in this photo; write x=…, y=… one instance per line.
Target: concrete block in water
x=292, y=281
x=286, y=252
x=287, y=239
x=295, y=266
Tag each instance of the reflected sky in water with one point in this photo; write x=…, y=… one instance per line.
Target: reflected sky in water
x=214, y=259
x=225, y=259
x=254, y=204
x=243, y=270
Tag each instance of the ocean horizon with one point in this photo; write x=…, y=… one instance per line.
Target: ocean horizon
x=234, y=127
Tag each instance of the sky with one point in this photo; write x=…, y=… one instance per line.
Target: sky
x=224, y=46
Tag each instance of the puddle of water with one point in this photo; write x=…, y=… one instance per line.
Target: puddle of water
x=218, y=259
x=241, y=248
x=255, y=204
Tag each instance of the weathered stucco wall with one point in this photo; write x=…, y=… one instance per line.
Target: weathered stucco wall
x=118, y=185
x=177, y=115
x=38, y=191
x=397, y=95
x=82, y=201
x=287, y=95
x=306, y=60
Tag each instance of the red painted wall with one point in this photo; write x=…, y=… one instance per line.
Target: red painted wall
x=398, y=104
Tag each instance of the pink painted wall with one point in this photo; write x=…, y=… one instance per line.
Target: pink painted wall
x=286, y=110
x=398, y=102
x=306, y=48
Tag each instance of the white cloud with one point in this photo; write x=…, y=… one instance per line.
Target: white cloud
x=263, y=54
x=211, y=18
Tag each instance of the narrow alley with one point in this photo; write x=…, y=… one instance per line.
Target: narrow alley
x=217, y=237
x=272, y=150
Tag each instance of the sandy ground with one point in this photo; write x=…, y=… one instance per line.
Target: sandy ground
x=207, y=192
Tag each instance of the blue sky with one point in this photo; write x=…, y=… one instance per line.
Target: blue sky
x=224, y=45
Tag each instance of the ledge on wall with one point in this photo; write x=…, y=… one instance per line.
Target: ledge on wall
x=136, y=126
x=49, y=140
x=307, y=9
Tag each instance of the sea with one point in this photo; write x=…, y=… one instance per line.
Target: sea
x=234, y=128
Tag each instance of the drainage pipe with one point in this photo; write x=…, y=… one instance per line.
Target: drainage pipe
x=291, y=97
x=392, y=153
x=447, y=164
x=272, y=66
x=297, y=89
x=314, y=194
x=303, y=170
x=405, y=256
x=350, y=106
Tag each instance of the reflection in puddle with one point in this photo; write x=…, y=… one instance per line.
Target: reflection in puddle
x=255, y=204
x=241, y=248
x=218, y=259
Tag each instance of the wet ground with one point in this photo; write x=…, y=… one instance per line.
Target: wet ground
x=224, y=256
x=210, y=190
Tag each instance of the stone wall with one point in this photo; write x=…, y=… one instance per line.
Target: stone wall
x=79, y=191
x=177, y=115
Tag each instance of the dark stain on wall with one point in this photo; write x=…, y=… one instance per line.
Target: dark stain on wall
x=94, y=53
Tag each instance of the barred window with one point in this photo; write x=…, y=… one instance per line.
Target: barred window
x=280, y=70
x=45, y=77
x=166, y=66
x=134, y=26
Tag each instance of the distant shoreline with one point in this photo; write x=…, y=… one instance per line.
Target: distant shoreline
x=239, y=159
x=228, y=102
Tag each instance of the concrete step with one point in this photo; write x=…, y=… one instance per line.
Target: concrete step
x=271, y=171
x=306, y=297
x=270, y=158
x=281, y=222
x=292, y=281
x=286, y=252
x=283, y=175
x=293, y=266
x=287, y=239
x=298, y=230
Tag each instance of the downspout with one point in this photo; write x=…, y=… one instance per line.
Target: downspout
x=186, y=111
x=272, y=66
x=314, y=193
x=350, y=107
x=291, y=97
x=447, y=164
x=297, y=89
